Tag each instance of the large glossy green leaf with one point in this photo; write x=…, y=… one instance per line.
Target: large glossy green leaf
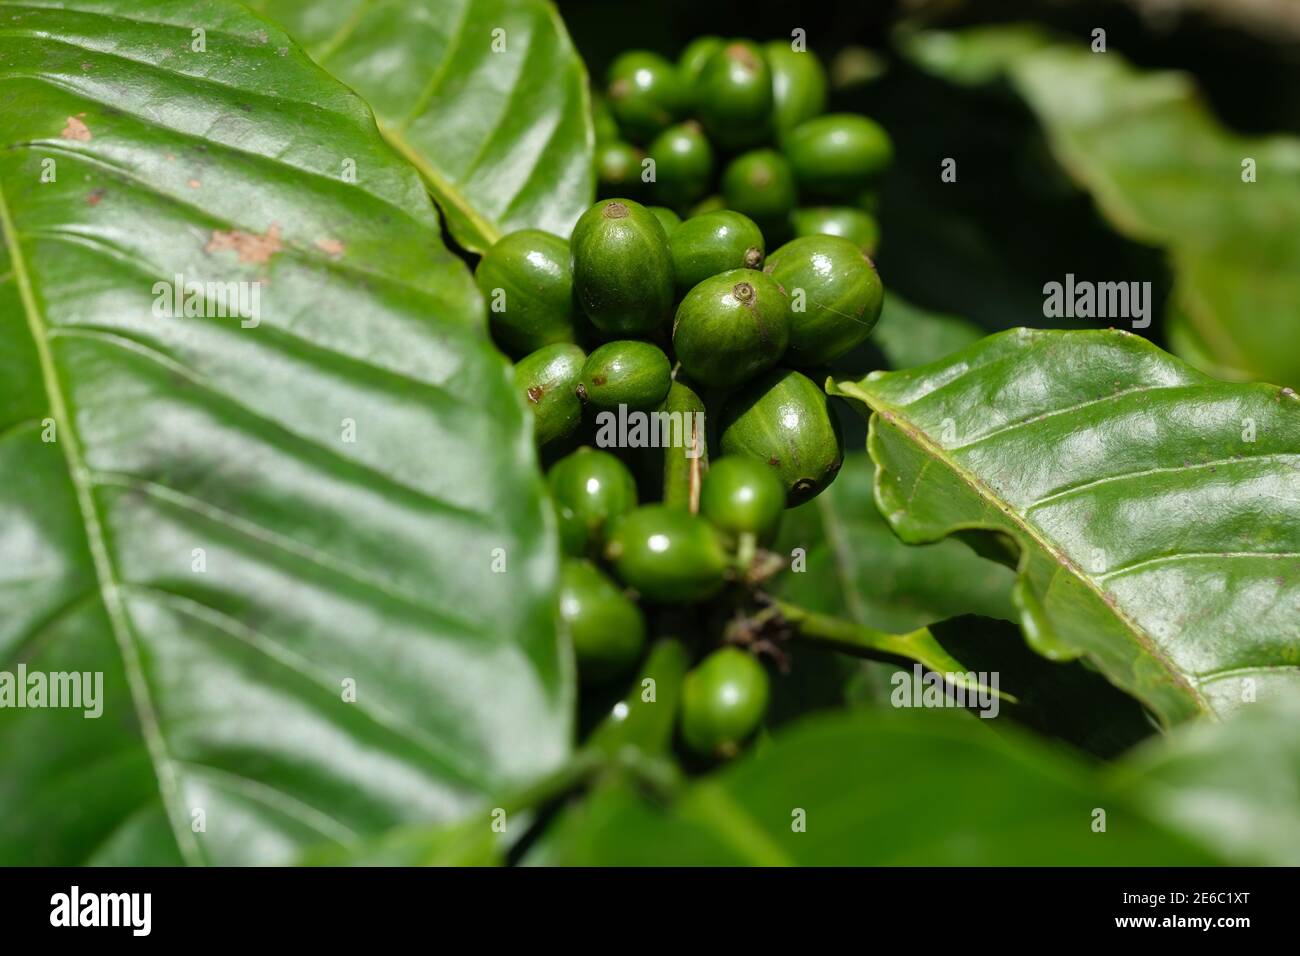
x=1163, y=170
x=239, y=523
x=1153, y=513
x=877, y=788
x=488, y=99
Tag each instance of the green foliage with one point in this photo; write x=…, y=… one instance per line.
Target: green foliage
x=273, y=536
x=462, y=89
x=1164, y=170
x=1158, y=528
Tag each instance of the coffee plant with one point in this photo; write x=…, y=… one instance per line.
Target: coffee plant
x=429, y=441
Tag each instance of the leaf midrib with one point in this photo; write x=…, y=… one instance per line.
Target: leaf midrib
x=917, y=435
x=92, y=525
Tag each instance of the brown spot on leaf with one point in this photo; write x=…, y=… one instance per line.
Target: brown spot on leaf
x=194, y=184
x=94, y=196
x=333, y=247
x=598, y=380
x=250, y=246
x=76, y=129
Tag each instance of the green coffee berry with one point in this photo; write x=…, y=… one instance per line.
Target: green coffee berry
x=627, y=372
x=645, y=93
x=785, y=420
x=837, y=154
x=724, y=699
x=527, y=281
x=835, y=296
x=667, y=218
x=761, y=185
x=733, y=95
x=714, y=242
x=602, y=119
x=618, y=168
x=798, y=85
x=606, y=627
x=668, y=554
x=683, y=164
x=855, y=225
x=691, y=62
x=622, y=269
x=732, y=326
x=591, y=490
x=707, y=204
x=547, y=379
x=742, y=495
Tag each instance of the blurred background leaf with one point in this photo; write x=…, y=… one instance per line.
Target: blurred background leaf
x=877, y=788
x=1164, y=171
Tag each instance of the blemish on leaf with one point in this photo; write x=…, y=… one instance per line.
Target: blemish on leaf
x=535, y=394
x=333, y=247
x=94, y=196
x=194, y=184
x=251, y=246
x=76, y=129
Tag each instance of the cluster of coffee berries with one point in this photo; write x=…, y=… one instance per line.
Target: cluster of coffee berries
x=741, y=126
x=693, y=325
x=703, y=306
x=663, y=555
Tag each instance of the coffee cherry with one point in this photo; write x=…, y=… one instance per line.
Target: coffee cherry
x=602, y=119
x=837, y=155
x=835, y=293
x=691, y=62
x=591, y=490
x=714, y=242
x=618, y=169
x=527, y=281
x=683, y=164
x=785, y=420
x=847, y=222
x=761, y=185
x=733, y=96
x=645, y=94
x=547, y=379
x=606, y=627
x=622, y=269
x=627, y=372
x=743, y=496
x=724, y=699
x=798, y=85
x=667, y=218
x=707, y=204
x=732, y=326
x=667, y=554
